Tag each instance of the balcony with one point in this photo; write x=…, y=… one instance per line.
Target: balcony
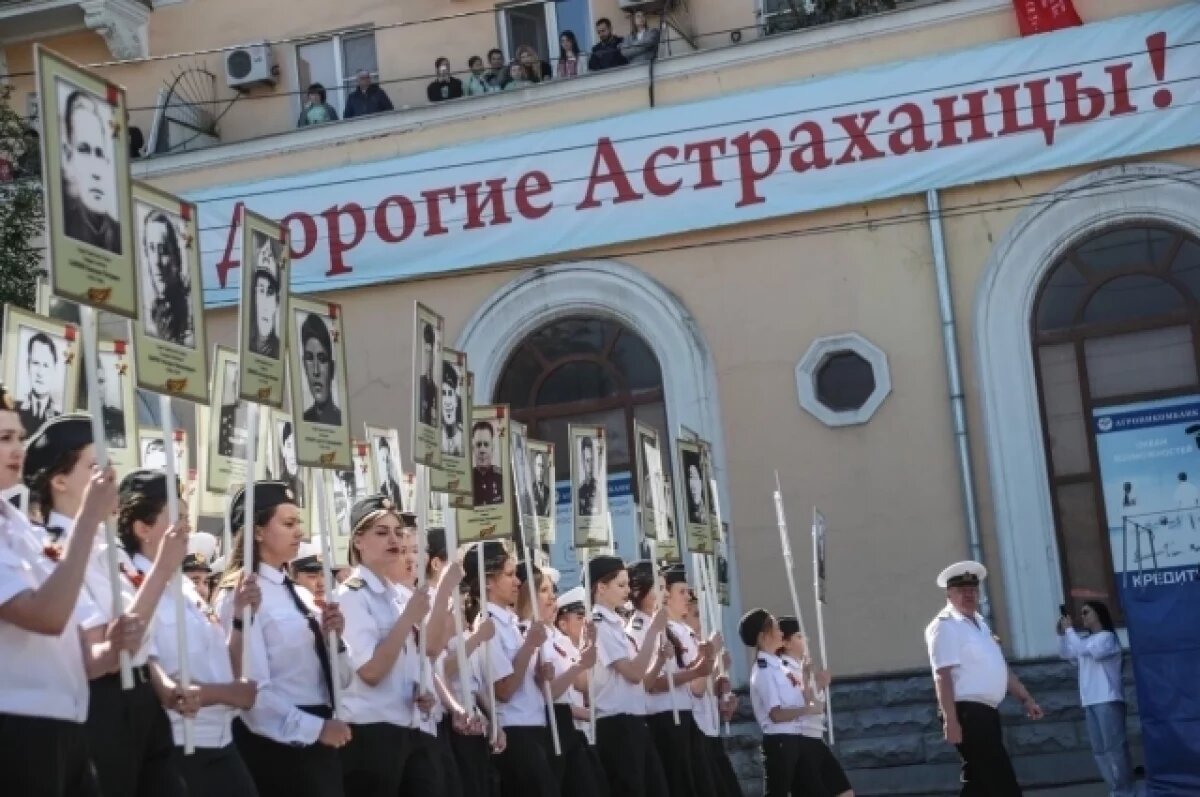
x=121, y=23
x=781, y=16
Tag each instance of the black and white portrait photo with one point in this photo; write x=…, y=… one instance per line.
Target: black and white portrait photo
x=543, y=490
x=427, y=391
x=521, y=471
x=452, y=410
x=110, y=375
x=231, y=435
x=697, y=491
x=487, y=476
x=164, y=276
x=41, y=377
x=344, y=496
x=387, y=467
x=264, y=310
x=154, y=453
x=320, y=386
x=591, y=460
x=287, y=466
x=90, y=198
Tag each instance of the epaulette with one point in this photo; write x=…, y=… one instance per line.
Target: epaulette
x=762, y=664
x=355, y=583
x=599, y=618
x=637, y=624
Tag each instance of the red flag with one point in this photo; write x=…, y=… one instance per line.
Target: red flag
x=1043, y=16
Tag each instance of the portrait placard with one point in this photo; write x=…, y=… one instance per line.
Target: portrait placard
x=152, y=451
x=408, y=492
x=668, y=550
x=454, y=403
x=85, y=171
x=361, y=450
x=46, y=304
x=723, y=565
x=589, y=485
x=714, y=502
x=651, y=498
x=228, y=434
x=492, y=515
x=282, y=461
x=427, y=379
x=696, y=505
x=213, y=501
x=339, y=499
x=169, y=343
x=118, y=404
x=386, y=464
x=318, y=371
x=263, y=314
x=541, y=465
x=522, y=478
x=41, y=366
x=819, y=551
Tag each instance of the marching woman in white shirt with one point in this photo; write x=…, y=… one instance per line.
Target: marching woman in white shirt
x=129, y=735
x=214, y=768
x=384, y=703
x=817, y=770
x=688, y=664
x=623, y=740
x=526, y=766
x=1098, y=654
x=709, y=715
x=780, y=706
x=289, y=740
x=43, y=682
x=471, y=744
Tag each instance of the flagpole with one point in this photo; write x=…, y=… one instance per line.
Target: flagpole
x=786, y=549
x=710, y=571
x=422, y=499
x=185, y=677
x=587, y=607
x=484, y=615
x=91, y=361
x=820, y=604
x=460, y=647
x=329, y=522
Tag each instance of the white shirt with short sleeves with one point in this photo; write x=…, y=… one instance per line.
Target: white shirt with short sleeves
x=526, y=707
x=771, y=687
x=681, y=696
x=208, y=659
x=812, y=725
x=980, y=673
x=1099, y=659
x=560, y=651
x=40, y=675
x=612, y=694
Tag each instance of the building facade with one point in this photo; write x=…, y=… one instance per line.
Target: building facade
x=898, y=258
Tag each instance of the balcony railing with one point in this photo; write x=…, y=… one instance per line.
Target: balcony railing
x=780, y=16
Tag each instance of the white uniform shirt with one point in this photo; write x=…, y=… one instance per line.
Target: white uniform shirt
x=283, y=661
x=561, y=652
x=979, y=673
x=208, y=659
x=372, y=607
x=40, y=676
x=636, y=629
x=1099, y=657
x=704, y=712
x=812, y=725
x=771, y=687
x=527, y=706
x=99, y=588
x=612, y=694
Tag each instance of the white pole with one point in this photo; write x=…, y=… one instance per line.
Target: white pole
x=710, y=570
x=248, y=527
x=227, y=532
x=91, y=360
x=587, y=607
x=460, y=647
x=821, y=625
x=706, y=625
x=325, y=511
x=484, y=615
x=527, y=545
x=185, y=677
x=422, y=497
x=786, y=547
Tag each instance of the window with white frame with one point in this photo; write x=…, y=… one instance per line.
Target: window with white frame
x=333, y=62
x=532, y=23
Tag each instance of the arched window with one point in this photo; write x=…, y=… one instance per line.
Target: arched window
x=584, y=369
x=1116, y=321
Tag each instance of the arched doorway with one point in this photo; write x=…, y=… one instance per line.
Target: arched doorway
x=1116, y=322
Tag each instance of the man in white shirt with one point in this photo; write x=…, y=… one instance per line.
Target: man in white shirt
x=971, y=678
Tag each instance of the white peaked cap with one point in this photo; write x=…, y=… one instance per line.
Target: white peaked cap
x=571, y=596
x=202, y=542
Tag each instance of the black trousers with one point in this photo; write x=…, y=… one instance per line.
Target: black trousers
x=41, y=757
x=720, y=768
x=215, y=772
x=474, y=760
x=284, y=770
x=578, y=771
x=130, y=741
x=629, y=757
x=526, y=766
x=986, y=768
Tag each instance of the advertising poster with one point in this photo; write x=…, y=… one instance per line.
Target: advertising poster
x=263, y=313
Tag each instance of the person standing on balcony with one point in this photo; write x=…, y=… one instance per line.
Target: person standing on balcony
x=316, y=109
x=1098, y=654
x=571, y=62
x=497, y=72
x=367, y=98
x=445, y=86
x=536, y=70
x=606, y=53
x=479, y=82
x=971, y=678
x=641, y=47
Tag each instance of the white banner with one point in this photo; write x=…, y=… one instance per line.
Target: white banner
x=1108, y=90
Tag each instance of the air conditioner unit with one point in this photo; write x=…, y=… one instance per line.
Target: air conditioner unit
x=250, y=65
